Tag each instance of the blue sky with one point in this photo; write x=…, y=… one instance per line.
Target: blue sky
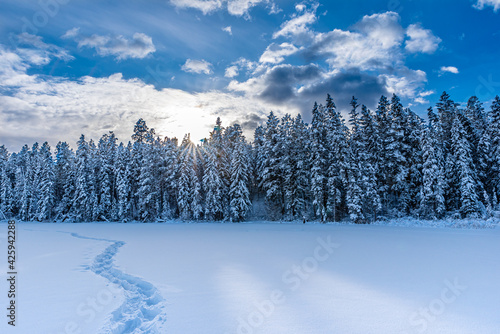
x=69, y=66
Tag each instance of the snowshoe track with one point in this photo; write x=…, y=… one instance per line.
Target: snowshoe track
x=143, y=310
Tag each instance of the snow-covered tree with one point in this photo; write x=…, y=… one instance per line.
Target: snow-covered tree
x=464, y=168
x=46, y=201
x=272, y=178
x=239, y=194
x=432, y=203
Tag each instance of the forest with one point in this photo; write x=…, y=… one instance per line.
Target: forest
x=375, y=165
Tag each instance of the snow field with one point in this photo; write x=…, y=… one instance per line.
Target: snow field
x=255, y=278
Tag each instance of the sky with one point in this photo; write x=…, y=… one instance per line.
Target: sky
x=72, y=67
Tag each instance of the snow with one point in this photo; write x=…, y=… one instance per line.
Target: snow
x=255, y=278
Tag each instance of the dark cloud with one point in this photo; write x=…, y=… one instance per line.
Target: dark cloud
x=281, y=81
x=251, y=121
x=342, y=86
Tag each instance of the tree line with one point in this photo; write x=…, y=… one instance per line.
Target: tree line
x=387, y=163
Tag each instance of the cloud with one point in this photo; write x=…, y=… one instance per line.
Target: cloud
x=205, y=6
x=373, y=43
x=234, y=7
x=421, y=40
x=480, y=4
x=72, y=33
x=301, y=86
x=276, y=53
x=197, y=66
x=231, y=71
x=37, y=52
x=367, y=60
x=242, y=7
x=279, y=83
x=298, y=26
x=450, y=69
x=407, y=83
x=140, y=46
x=40, y=108
x=228, y=29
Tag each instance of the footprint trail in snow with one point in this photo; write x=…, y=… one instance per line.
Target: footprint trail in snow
x=143, y=310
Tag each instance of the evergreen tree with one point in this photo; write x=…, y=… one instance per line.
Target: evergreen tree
x=432, y=191
x=319, y=163
x=464, y=168
x=106, y=177
x=272, y=178
x=123, y=173
x=336, y=160
x=368, y=163
x=298, y=180
x=213, y=178
x=64, y=188
x=82, y=205
x=6, y=192
x=46, y=174
x=494, y=137
x=239, y=200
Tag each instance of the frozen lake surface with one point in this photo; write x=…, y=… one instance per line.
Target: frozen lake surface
x=215, y=278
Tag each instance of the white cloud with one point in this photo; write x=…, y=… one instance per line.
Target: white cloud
x=228, y=29
x=140, y=46
x=421, y=40
x=298, y=25
x=206, y=6
x=234, y=7
x=197, y=66
x=39, y=52
x=300, y=7
x=72, y=33
x=275, y=53
x=450, y=69
x=480, y=4
x=368, y=59
x=406, y=84
x=242, y=7
x=94, y=106
x=231, y=71
x=384, y=29
x=374, y=43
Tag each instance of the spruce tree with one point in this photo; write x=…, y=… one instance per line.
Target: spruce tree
x=464, y=168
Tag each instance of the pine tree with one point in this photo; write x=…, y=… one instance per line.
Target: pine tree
x=106, y=155
x=239, y=201
x=82, y=205
x=188, y=183
x=168, y=173
x=397, y=154
x=494, y=136
x=272, y=178
x=298, y=181
x=122, y=170
x=33, y=178
x=319, y=162
x=64, y=188
x=464, y=168
x=336, y=159
x=355, y=168
x=368, y=163
x=383, y=163
x=46, y=202
x=213, y=178
x=414, y=160
x=432, y=203
x=6, y=191
x=147, y=192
